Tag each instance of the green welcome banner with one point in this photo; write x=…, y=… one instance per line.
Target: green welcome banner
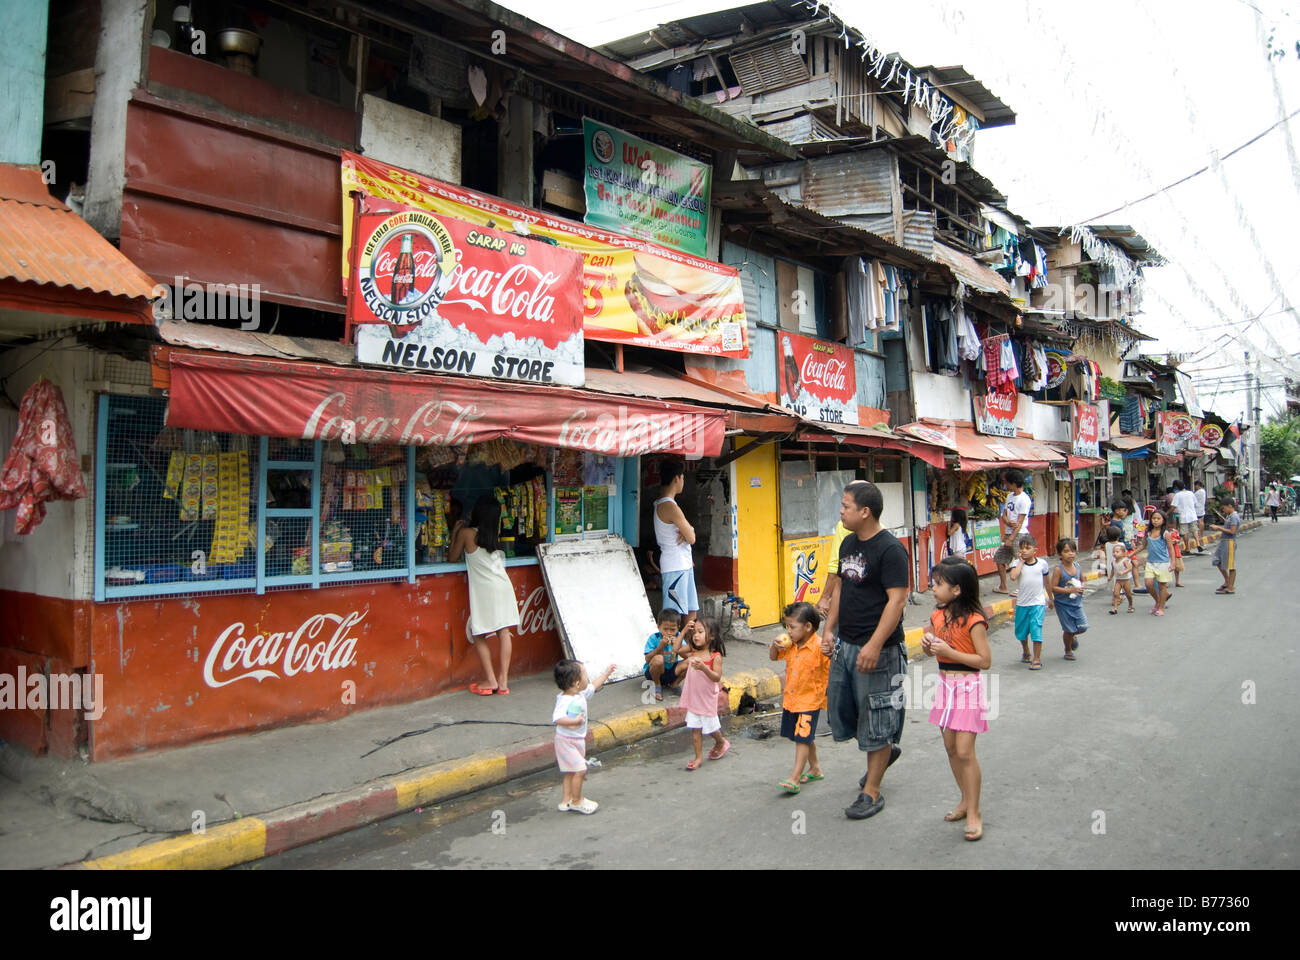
x=639, y=188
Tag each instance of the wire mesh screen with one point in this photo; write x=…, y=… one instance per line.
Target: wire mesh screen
x=363, y=509
x=178, y=504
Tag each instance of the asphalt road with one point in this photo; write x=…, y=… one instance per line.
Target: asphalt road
x=1169, y=743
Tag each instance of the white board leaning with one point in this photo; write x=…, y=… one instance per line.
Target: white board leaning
x=601, y=608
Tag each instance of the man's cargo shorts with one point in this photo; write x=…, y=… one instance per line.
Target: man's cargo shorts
x=868, y=706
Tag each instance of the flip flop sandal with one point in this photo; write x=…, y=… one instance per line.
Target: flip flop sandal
x=1113, y=612
x=1070, y=656
x=811, y=777
x=1035, y=666
x=789, y=786
x=659, y=693
x=716, y=754
x=975, y=834
x=951, y=816
x=504, y=691
x=693, y=765
x=482, y=691
x=1025, y=659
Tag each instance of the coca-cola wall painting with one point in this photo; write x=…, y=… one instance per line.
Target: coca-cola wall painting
x=437, y=294
x=181, y=670
x=816, y=379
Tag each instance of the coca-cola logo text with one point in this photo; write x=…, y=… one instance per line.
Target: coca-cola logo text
x=1002, y=405
x=829, y=372
x=536, y=615
x=304, y=650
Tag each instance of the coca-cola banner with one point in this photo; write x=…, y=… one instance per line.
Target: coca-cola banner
x=1211, y=435
x=434, y=293
x=995, y=413
x=1084, y=429
x=816, y=380
x=633, y=291
x=286, y=399
x=1175, y=433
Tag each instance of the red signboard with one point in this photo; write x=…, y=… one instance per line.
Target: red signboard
x=995, y=412
x=1085, y=427
x=1174, y=433
x=281, y=399
x=440, y=294
x=633, y=291
x=1211, y=435
x=816, y=379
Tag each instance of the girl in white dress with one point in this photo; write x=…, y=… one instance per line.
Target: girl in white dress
x=492, y=606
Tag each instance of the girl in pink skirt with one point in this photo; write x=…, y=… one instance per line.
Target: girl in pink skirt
x=959, y=638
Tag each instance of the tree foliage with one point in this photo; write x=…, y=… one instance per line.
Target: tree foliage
x=1279, y=447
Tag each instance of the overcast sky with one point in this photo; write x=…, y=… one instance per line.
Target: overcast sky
x=1115, y=99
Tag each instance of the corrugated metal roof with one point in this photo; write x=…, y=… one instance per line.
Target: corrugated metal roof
x=42, y=241
x=970, y=271
x=958, y=82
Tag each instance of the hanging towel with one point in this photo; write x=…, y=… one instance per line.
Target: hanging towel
x=857, y=299
x=1040, y=360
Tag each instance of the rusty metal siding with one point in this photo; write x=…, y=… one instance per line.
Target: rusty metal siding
x=918, y=231
x=852, y=184
x=223, y=200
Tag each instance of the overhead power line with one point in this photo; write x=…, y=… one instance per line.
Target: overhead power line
x=1197, y=173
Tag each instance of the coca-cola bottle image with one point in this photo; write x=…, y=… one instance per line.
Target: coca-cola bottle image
x=404, y=272
x=791, y=369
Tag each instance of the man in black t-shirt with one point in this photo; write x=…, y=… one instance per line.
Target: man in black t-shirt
x=869, y=658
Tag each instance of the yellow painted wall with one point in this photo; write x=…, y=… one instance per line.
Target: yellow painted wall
x=758, y=535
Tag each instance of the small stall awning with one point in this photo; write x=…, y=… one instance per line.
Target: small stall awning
x=1122, y=441
x=979, y=451
x=283, y=398
x=53, y=262
x=879, y=437
x=1074, y=461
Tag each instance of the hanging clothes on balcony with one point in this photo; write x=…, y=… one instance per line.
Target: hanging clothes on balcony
x=968, y=339
x=893, y=312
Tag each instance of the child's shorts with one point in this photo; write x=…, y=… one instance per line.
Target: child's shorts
x=1029, y=623
x=709, y=724
x=571, y=753
x=1160, y=571
x=961, y=702
x=799, y=727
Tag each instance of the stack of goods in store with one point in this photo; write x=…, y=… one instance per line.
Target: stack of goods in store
x=431, y=509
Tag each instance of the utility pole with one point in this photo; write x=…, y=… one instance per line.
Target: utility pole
x=1259, y=466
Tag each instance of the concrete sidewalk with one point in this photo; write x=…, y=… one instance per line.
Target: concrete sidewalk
x=260, y=794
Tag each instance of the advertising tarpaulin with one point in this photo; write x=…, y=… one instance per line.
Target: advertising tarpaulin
x=434, y=293
x=1103, y=420
x=1115, y=461
x=633, y=291
x=1083, y=424
x=1172, y=433
x=637, y=187
x=816, y=379
x=260, y=397
x=1211, y=435
x=804, y=570
x=995, y=413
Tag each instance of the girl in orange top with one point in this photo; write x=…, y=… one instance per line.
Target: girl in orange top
x=958, y=637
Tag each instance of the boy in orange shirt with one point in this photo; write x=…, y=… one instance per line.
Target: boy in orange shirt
x=807, y=671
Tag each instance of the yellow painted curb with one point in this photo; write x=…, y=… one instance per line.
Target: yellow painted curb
x=449, y=779
x=222, y=846
x=759, y=684
x=625, y=727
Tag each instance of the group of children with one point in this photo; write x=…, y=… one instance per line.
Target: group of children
x=695, y=663
x=957, y=637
